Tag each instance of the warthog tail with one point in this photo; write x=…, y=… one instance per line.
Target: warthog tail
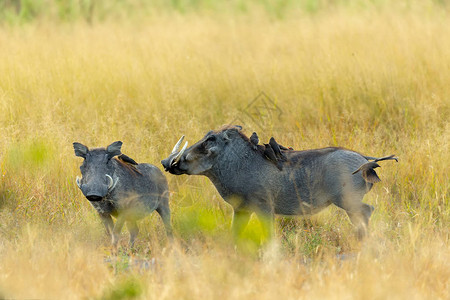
x=375, y=159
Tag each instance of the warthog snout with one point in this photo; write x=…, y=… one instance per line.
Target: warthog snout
x=95, y=190
x=94, y=198
x=174, y=158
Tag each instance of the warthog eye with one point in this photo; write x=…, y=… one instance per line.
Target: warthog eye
x=211, y=138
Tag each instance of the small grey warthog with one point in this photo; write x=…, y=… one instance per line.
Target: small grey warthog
x=117, y=186
x=298, y=183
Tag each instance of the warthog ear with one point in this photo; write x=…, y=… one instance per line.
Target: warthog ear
x=230, y=131
x=80, y=149
x=114, y=149
x=226, y=136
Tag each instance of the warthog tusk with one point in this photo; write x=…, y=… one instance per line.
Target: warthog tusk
x=111, y=183
x=178, y=157
x=78, y=182
x=177, y=146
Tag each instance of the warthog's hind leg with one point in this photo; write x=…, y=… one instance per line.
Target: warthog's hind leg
x=358, y=212
x=164, y=211
x=360, y=219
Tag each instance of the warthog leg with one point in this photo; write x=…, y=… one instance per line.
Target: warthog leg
x=116, y=231
x=360, y=219
x=164, y=211
x=133, y=229
x=267, y=224
x=241, y=218
x=108, y=222
x=358, y=212
x=239, y=222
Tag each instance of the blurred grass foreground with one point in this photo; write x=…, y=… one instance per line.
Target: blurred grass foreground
x=372, y=76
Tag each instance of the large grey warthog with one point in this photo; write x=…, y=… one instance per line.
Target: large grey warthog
x=252, y=179
x=117, y=186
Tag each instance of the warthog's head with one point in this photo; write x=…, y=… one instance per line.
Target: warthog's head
x=96, y=170
x=201, y=157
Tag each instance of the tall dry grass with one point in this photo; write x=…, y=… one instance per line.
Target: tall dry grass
x=376, y=81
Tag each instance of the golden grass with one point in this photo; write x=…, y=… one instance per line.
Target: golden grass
x=374, y=82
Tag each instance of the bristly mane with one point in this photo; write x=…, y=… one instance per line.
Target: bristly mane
x=238, y=129
x=259, y=150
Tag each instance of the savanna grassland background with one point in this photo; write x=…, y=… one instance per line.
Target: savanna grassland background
x=373, y=76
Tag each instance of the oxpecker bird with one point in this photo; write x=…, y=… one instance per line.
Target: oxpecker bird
x=276, y=149
x=270, y=155
x=368, y=172
x=127, y=159
x=254, y=139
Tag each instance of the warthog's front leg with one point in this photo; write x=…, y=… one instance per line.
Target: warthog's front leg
x=267, y=224
x=239, y=222
x=108, y=222
x=116, y=231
